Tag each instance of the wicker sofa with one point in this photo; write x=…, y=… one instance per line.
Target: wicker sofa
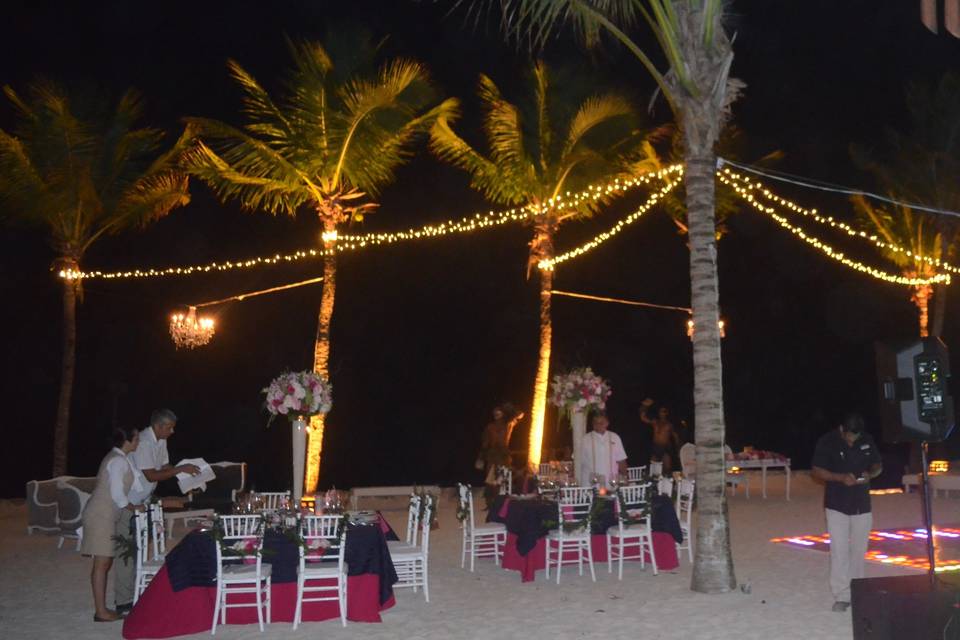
x=56, y=506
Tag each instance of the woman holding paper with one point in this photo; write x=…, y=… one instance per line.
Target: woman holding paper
x=117, y=479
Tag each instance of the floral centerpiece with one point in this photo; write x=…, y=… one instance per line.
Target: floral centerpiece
x=298, y=394
x=579, y=390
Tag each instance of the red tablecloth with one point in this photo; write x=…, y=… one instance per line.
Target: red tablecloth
x=664, y=548
x=164, y=613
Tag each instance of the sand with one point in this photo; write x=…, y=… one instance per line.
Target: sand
x=44, y=591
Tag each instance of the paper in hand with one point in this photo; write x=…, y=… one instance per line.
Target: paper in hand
x=188, y=482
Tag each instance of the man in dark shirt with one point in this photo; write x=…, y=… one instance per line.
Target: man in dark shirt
x=846, y=460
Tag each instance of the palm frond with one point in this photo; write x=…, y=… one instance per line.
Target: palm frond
x=596, y=112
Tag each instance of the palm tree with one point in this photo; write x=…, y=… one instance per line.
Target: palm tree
x=914, y=231
x=921, y=165
x=327, y=145
x=539, y=149
x=80, y=168
x=698, y=87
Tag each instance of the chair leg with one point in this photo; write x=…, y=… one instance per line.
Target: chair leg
x=60, y=544
x=259, y=600
x=216, y=611
x=620, y=560
x=546, y=552
x=463, y=549
x=269, y=592
x=343, y=599
x=609, y=555
x=589, y=544
x=653, y=557
x=426, y=586
x=580, y=557
x=473, y=553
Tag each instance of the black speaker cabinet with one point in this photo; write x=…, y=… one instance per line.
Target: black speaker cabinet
x=904, y=608
x=915, y=400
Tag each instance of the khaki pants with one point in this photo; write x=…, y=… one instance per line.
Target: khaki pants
x=848, y=545
x=124, y=571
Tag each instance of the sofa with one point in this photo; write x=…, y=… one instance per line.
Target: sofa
x=221, y=492
x=56, y=506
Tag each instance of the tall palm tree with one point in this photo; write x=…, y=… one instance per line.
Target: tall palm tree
x=697, y=85
x=540, y=148
x=917, y=232
x=328, y=145
x=921, y=165
x=80, y=167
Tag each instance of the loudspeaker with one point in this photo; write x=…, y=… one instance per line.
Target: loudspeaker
x=904, y=608
x=915, y=400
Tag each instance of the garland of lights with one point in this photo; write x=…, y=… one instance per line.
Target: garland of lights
x=829, y=220
x=550, y=264
x=827, y=249
x=350, y=242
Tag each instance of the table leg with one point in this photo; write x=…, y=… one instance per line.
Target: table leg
x=787, y=469
x=763, y=470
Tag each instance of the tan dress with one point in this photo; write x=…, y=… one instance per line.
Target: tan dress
x=101, y=513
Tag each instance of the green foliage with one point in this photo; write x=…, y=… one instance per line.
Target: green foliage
x=542, y=145
x=325, y=137
x=79, y=166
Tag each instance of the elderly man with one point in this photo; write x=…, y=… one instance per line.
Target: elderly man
x=601, y=452
x=153, y=461
x=845, y=460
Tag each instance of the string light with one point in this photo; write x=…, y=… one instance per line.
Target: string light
x=353, y=242
x=827, y=249
x=671, y=182
x=827, y=220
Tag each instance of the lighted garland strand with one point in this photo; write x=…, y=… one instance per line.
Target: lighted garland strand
x=826, y=249
x=352, y=242
x=744, y=186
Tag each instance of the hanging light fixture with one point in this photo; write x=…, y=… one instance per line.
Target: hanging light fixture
x=189, y=331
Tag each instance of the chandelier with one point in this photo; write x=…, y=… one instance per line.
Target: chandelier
x=188, y=331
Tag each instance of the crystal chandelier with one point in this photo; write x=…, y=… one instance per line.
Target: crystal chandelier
x=189, y=331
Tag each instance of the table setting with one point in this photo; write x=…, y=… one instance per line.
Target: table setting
x=530, y=518
x=186, y=584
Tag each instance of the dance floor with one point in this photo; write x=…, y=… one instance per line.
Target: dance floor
x=903, y=547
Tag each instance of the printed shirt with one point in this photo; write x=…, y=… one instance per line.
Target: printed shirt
x=835, y=455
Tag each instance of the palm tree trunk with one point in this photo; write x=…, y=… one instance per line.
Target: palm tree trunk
x=713, y=564
x=940, y=292
x=321, y=349
x=921, y=298
x=542, y=380
x=61, y=430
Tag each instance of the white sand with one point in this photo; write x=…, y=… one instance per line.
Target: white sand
x=44, y=591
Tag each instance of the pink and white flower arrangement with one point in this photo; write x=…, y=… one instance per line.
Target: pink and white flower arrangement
x=298, y=394
x=579, y=390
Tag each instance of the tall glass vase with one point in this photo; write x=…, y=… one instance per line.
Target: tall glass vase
x=299, y=456
x=578, y=424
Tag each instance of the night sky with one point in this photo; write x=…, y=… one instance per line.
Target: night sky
x=429, y=335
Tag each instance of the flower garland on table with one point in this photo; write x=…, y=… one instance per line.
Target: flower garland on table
x=297, y=394
x=579, y=390
x=463, y=506
x=584, y=523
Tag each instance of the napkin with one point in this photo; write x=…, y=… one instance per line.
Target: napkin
x=188, y=482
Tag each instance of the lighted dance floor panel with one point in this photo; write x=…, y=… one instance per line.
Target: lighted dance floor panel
x=902, y=547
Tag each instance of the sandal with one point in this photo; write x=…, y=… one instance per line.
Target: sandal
x=97, y=618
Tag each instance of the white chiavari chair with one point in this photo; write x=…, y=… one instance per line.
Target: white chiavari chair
x=146, y=569
x=411, y=538
x=684, y=511
x=413, y=565
x=656, y=469
x=234, y=575
x=635, y=474
x=273, y=501
x=505, y=480
x=573, y=508
x=321, y=563
x=157, y=532
x=638, y=535
x=479, y=541
x=688, y=460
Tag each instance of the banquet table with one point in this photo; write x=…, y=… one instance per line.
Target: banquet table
x=528, y=520
x=180, y=599
x=764, y=463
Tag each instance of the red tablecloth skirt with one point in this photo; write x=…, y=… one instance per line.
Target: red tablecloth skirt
x=664, y=548
x=162, y=612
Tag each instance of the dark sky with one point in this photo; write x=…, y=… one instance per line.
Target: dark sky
x=428, y=336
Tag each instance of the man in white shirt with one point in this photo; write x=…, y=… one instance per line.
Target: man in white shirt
x=601, y=452
x=153, y=461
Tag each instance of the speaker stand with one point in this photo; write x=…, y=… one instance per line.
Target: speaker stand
x=927, y=511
